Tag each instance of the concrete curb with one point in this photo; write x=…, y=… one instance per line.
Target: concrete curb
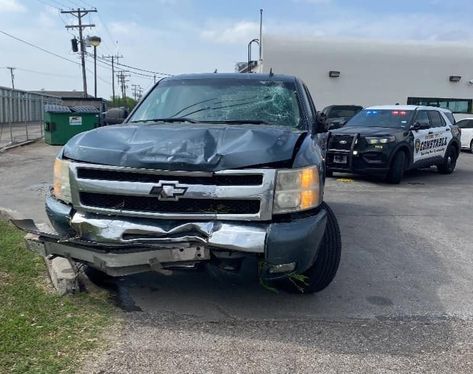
x=61, y=270
x=63, y=276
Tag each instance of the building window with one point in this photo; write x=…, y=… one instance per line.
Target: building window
x=455, y=105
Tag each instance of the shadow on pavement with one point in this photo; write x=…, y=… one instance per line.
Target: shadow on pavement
x=384, y=298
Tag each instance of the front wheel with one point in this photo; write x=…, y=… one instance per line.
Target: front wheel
x=323, y=271
x=396, y=171
x=471, y=146
x=449, y=161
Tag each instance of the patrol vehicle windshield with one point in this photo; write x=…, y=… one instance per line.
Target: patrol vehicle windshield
x=382, y=118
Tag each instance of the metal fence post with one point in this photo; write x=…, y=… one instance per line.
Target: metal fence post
x=10, y=117
x=25, y=113
x=41, y=109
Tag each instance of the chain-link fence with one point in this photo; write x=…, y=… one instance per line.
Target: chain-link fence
x=21, y=115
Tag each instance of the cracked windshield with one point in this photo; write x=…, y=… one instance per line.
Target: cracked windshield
x=240, y=101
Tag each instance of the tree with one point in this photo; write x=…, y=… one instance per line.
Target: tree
x=127, y=102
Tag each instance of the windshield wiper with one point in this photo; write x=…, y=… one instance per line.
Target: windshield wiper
x=218, y=107
x=241, y=121
x=170, y=120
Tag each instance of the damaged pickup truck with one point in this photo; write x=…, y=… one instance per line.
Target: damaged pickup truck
x=208, y=168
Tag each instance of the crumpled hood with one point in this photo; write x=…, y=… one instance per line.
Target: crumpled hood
x=184, y=147
x=368, y=131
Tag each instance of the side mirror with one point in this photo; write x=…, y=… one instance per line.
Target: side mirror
x=420, y=126
x=115, y=116
x=320, y=124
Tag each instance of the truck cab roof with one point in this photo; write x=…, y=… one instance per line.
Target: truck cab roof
x=238, y=76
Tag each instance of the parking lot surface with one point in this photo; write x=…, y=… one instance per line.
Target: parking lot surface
x=402, y=300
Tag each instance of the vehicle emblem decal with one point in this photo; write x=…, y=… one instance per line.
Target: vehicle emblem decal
x=168, y=190
x=417, y=145
x=343, y=142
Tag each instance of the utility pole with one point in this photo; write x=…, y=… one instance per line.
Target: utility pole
x=260, y=62
x=12, y=76
x=122, y=80
x=79, y=14
x=137, y=91
x=113, y=58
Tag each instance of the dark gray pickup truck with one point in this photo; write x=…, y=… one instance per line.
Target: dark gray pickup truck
x=208, y=168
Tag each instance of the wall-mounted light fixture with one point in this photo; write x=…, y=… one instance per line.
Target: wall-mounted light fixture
x=455, y=78
x=334, y=74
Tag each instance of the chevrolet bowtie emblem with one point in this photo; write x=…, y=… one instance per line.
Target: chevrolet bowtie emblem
x=343, y=142
x=168, y=190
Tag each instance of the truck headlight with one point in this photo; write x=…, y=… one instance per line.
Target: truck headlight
x=61, y=185
x=296, y=190
x=380, y=139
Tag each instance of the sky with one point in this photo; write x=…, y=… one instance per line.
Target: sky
x=184, y=36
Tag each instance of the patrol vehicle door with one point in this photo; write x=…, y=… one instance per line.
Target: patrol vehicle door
x=441, y=134
x=421, y=130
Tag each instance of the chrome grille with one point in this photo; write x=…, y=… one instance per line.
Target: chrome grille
x=225, y=195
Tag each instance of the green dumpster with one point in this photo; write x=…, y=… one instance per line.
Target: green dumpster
x=61, y=123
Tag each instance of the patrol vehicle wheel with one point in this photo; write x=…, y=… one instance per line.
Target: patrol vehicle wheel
x=471, y=146
x=329, y=173
x=396, y=171
x=322, y=273
x=449, y=162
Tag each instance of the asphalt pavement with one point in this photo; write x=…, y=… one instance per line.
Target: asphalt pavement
x=402, y=300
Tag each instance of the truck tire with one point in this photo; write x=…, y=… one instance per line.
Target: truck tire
x=396, y=171
x=449, y=161
x=323, y=271
x=471, y=146
x=329, y=173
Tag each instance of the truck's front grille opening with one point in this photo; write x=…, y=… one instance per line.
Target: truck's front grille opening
x=182, y=206
x=340, y=142
x=126, y=176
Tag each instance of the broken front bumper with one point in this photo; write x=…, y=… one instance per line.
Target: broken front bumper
x=123, y=245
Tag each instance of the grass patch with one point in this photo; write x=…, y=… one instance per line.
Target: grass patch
x=41, y=332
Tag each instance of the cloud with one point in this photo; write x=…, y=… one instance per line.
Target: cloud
x=7, y=6
x=234, y=33
x=48, y=16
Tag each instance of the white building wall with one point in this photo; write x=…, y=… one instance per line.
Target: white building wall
x=372, y=73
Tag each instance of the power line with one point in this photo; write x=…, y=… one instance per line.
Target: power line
x=107, y=31
x=103, y=61
x=145, y=70
x=139, y=69
x=44, y=73
x=48, y=52
x=53, y=6
x=37, y=47
x=87, y=4
x=76, y=4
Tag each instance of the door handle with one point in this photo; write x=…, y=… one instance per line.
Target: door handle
x=431, y=132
